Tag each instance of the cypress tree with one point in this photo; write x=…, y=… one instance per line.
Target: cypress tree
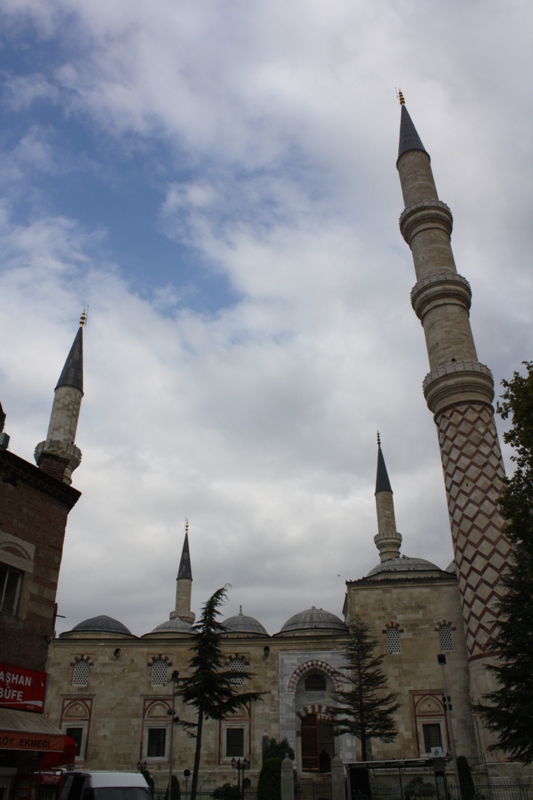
x=509, y=712
x=210, y=689
x=363, y=709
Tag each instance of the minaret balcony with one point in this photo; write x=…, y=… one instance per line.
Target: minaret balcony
x=425, y=215
x=458, y=382
x=444, y=288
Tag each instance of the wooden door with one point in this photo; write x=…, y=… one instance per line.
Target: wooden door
x=309, y=732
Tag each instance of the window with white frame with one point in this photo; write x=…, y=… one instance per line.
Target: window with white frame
x=76, y=733
x=394, y=643
x=432, y=736
x=234, y=742
x=10, y=585
x=159, y=672
x=237, y=665
x=446, y=638
x=80, y=674
x=156, y=742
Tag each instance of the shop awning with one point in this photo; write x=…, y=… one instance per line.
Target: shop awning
x=22, y=730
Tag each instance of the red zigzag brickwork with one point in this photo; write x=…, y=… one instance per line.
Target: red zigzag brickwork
x=473, y=473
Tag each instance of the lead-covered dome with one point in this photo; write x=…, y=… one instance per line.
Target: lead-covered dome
x=102, y=625
x=402, y=565
x=313, y=619
x=241, y=623
x=173, y=626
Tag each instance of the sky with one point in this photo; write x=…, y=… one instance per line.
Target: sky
x=216, y=181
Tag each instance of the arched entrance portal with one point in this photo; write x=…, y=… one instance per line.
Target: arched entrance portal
x=316, y=738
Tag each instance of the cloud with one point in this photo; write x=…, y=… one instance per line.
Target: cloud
x=266, y=135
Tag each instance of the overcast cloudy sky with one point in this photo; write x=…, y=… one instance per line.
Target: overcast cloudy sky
x=217, y=181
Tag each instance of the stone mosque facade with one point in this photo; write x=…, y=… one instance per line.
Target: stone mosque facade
x=111, y=690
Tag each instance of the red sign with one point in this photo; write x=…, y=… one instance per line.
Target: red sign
x=14, y=740
x=21, y=688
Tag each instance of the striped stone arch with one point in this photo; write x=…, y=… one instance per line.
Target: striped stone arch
x=444, y=623
x=82, y=657
x=390, y=625
x=160, y=657
x=322, y=711
x=321, y=666
x=238, y=657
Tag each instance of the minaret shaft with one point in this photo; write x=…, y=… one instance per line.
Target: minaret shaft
x=388, y=540
x=58, y=455
x=65, y=415
x=182, y=608
x=459, y=391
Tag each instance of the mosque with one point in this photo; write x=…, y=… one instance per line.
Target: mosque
x=111, y=691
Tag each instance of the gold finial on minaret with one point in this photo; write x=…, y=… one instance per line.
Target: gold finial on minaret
x=83, y=318
x=240, y=611
x=186, y=526
x=401, y=98
x=379, y=440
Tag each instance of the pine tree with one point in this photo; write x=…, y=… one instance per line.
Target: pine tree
x=363, y=710
x=510, y=712
x=210, y=689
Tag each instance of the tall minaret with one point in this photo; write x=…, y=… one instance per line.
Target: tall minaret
x=184, y=583
x=58, y=455
x=387, y=540
x=459, y=391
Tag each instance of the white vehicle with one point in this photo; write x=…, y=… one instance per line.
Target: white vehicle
x=104, y=786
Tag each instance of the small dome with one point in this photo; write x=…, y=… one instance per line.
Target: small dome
x=403, y=564
x=175, y=625
x=452, y=567
x=314, y=619
x=102, y=624
x=241, y=623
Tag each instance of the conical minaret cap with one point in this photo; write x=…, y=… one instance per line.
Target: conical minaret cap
x=388, y=540
x=409, y=138
x=185, y=570
x=72, y=374
x=382, y=477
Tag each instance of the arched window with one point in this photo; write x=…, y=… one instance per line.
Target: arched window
x=80, y=674
x=394, y=644
x=159, y=672
x=446, y=638
x=237, y=665
x=315, y=682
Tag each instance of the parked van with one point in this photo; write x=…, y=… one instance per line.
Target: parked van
x=104, y=786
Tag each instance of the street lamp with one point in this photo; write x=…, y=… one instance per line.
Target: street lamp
x=186, y=775
x=174, y=678
x=240, y=766
x=441, y=658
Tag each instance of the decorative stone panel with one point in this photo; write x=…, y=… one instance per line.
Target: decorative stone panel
x=473, y=473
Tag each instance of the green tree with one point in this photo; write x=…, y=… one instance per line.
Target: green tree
x=468, y=789
x=510, y=707
x=227, y=792
x=363, y=709
x=278, y=750
x=269, y=783
x=210, y=689
x=175, y=794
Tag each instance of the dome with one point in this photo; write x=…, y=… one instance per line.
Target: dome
x=403, y=564
x=452, y=567
x=313, y=619
x=175, y=625
x=102, y=624
x=241, y=623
